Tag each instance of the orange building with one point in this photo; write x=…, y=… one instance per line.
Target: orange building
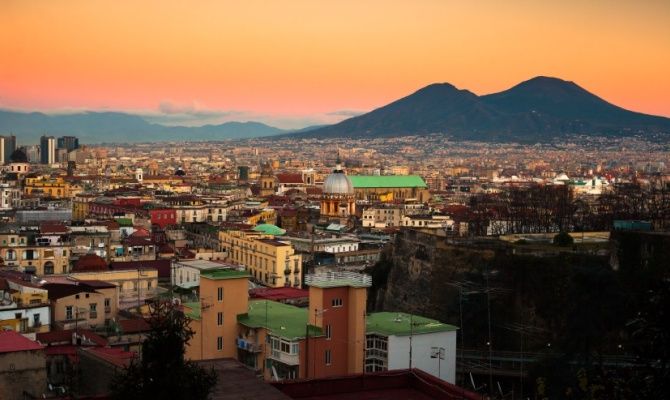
x=278, y=340
x=223, y=296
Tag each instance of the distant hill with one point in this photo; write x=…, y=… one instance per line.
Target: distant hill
x=96, y=127
x=534, y=110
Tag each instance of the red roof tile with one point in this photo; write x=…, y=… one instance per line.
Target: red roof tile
x=11, y=341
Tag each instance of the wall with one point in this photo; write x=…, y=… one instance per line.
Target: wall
x=398, y=354
x=22, y=371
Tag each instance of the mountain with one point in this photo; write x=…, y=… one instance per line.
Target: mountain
x=96, y=127
x=534, y=110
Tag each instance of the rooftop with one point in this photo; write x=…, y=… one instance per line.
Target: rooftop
x=236, y=381
x=387, y=181
x=402, y=324
x=388, y=385
x=193, y=311
x=11, y=341
x=280, y=319
x=338, y=279
x=221, y=273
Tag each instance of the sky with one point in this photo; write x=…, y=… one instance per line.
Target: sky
x=294, y=63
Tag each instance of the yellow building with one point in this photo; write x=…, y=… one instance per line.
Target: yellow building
x=78, y=306
x=44, y=259
x=223, y=296
x=52, y=187
x=269, y=261
x=80, y=205
x=134, y=285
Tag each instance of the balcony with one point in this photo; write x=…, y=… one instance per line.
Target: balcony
x=249, y=346
x=285, y=358
x=287, y=271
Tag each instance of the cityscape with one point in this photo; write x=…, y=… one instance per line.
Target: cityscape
x=418, y=241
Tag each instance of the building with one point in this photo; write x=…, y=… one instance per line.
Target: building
x=23, y=367
x=186, y=274
x=7, y=148
x=135, y=282
x=35, y=254
x=75, y=306
x=47, y=150
x=270, y=262
x=68, y=143
x=388, y=188
x=337, y=198
x=24, y=306
x=10, y=195
x=392, y=338
x=223, y=296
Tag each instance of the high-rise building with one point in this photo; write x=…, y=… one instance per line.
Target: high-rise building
x=68, y=142
x=7, y=147
x=47, y=150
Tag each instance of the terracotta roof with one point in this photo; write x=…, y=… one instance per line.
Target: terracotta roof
x=289, y=178
x=134, y=325
x=115, y=356
x=53, y=227
x=60, y=290
x=11, y=341
x=90, y=262
x=281, y=293
x=97, y=284
x=59, y=338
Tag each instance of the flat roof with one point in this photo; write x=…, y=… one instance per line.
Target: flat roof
x=338, y=279
x=280, y=319
x=194, y=312
x=237, y=381
x=402, y=324
x=218, y=274
x=202, y=264
x=387, y=181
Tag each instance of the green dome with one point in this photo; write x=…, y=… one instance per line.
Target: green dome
x=269, y=229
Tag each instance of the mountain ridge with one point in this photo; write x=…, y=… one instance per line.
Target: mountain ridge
x=534, y=110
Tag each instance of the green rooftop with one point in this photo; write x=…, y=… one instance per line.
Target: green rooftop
x=283, y=320
x=125, y=222
x=269, y=229
x=386, y=181
x=194, y=312
x=398, y=324
x=224, y=273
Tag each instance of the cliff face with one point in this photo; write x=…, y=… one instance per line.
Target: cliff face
x=461, y=283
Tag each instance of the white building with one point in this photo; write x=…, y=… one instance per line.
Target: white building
x=186, y=274
x=390, y=336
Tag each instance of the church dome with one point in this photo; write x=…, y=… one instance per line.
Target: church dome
x=18, y=156
x=338, y=182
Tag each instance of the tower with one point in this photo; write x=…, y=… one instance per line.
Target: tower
x=139, y=175
x=47, y=150
x=267, y=180
x=337, y=305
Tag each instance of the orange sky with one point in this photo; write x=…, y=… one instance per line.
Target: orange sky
x=296, y=61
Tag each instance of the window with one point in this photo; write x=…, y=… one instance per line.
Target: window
x=219, y=318
x=108, y=307
x=68, y=312
x=328, y=332
x=219, y=343
x=328, y=357
x=148, y=284
x=336, y=303
x=93, y=310
x=219, y=294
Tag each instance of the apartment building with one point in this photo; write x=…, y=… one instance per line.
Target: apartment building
x=24, y=306
x=34, y=253
x=270, y=262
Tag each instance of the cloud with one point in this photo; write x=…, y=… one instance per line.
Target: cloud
x=194, y=109
x=345, y=113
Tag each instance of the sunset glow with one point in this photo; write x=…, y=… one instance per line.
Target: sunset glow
x=312, y=60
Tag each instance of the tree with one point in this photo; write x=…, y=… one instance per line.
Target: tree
x=163, y=372
x=563, y=239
